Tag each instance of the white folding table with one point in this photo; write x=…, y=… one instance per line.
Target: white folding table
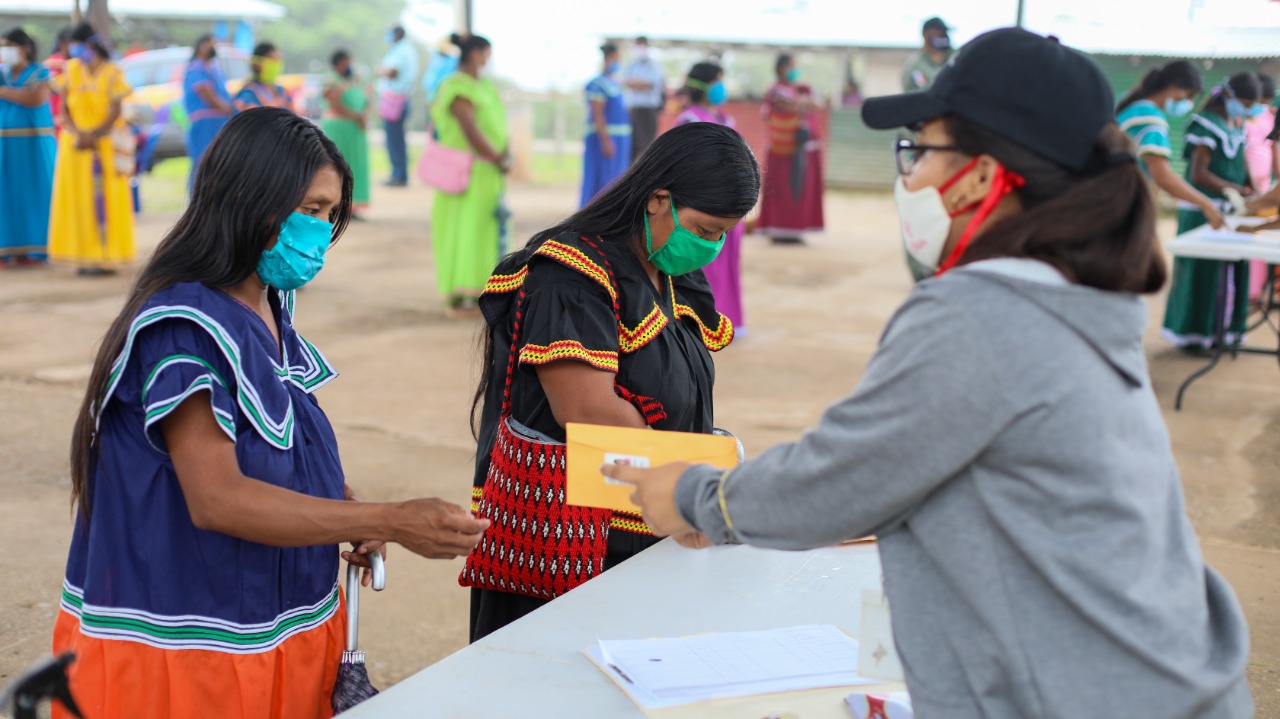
x=1229, y=246
x=535, y=667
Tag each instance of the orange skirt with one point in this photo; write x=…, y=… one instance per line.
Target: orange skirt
x=120, y=679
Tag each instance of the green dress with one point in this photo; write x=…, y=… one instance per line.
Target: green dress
x=1188, y=314
x=465, y=227
x=352, y=141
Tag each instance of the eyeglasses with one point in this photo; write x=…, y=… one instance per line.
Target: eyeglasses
x=908, y=153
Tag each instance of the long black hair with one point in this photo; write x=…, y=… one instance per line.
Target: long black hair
x=85, y=33
x=1244, y=85
x=1181, y=74
x=1267, y=84
x=254, y=175
x=704, y=166
x=19, y=37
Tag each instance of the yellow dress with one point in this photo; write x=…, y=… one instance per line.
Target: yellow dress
x=91, y=222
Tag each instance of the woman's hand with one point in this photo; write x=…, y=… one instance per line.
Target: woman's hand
x=606, y=146
x=1213, y=216
x=87, y=140
x=655, y=495
x=360, y=557
x=436, y=529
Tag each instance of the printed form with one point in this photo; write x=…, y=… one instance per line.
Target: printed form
x=667, y=672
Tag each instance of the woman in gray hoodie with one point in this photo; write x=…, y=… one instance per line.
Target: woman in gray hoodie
x=1005, y=444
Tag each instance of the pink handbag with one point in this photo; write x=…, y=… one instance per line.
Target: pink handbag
x=391, y=106
x=444, y=168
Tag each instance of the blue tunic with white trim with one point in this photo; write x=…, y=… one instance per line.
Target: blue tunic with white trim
x=598, y=170
x=141, y=570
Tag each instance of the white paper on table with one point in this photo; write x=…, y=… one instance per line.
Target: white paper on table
x=1232, y=233
x=666, y=672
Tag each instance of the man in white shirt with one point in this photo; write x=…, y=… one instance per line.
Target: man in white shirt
x=397, y=74
x=646, y=93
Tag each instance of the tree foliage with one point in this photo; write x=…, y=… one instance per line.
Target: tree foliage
x=313, y=29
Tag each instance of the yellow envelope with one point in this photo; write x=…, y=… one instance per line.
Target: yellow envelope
x=590, y=446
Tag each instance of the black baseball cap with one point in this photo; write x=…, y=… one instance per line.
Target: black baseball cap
x=935, y=23
x=1029, y=89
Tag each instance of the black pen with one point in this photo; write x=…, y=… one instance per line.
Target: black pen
x=621, y=673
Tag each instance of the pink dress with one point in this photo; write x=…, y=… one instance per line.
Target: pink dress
x=1258, y=154
x=725, y=272
x=791, y=205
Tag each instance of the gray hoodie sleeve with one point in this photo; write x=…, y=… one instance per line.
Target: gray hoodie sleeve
x=928, y=405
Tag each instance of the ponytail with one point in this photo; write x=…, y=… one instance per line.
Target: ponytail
x=1181, y=74
x=1097, y=227
x=468, y=44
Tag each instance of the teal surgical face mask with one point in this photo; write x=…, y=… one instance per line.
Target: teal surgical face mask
x=793, y=74
x=684, y=251
x=298, y=254
x=717, y=94
x=1178, y=108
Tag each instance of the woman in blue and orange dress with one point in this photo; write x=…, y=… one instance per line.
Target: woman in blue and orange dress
x=201, y=576
x=27, y=150
x=261, y=89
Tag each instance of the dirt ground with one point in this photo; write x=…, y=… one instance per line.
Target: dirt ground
x=400, y=407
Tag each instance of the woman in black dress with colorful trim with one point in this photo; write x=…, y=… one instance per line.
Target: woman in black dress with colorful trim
x=617, y=321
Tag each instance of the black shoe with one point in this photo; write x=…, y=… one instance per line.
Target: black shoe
x=396, y=183
x=791, y=241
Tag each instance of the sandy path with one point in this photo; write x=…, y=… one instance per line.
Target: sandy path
x=400, y=407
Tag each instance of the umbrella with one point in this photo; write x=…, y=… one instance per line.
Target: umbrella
x=47, y=680
x=799, y=163
x=353, y=685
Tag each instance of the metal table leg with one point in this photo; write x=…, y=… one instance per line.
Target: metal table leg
x=1219, y=332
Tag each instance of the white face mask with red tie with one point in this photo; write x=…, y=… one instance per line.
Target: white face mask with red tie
x=926, y=225
x=926, y=222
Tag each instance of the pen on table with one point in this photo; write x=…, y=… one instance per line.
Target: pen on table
x=621, y=673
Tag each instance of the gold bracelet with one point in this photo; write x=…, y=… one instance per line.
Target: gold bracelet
x=724, y=506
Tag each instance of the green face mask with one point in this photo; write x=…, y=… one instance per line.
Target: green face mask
x=684, y=251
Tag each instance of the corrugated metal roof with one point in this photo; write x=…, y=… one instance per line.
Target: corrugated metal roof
x=1182, y=28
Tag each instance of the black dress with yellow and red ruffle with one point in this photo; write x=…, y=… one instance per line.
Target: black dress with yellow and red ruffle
x=662, y=350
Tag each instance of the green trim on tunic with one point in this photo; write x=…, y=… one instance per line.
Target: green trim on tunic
x=1188, y=314
x=465, y=227
x=352, y=141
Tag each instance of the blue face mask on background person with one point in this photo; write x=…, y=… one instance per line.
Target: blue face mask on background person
x=1257, y=110
x=612, y=68
x=1178, y=108
x=78, y=51
x=298, y=254
x=717, y=94
x=793, y=74
x=684, y=251
x=1236, y=109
